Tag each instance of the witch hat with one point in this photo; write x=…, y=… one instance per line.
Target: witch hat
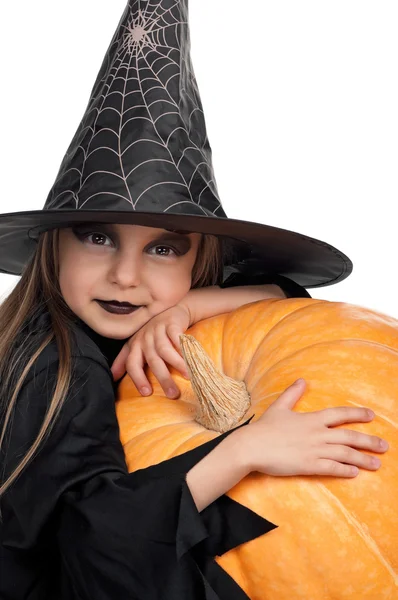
x=141, y=156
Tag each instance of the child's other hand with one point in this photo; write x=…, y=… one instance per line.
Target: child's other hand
x=283, y=442
x=155, y=344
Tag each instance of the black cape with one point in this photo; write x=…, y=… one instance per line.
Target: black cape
x=77, y=526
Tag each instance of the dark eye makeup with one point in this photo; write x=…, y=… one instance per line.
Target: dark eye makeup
x=180, y=244
x=84, y=232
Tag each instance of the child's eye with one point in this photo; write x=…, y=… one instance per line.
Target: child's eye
x=163, y=251
x=98, y=239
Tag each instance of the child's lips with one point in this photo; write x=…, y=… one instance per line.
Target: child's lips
x=118, y=308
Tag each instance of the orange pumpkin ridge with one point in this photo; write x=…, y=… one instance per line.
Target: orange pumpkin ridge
x=337, y=539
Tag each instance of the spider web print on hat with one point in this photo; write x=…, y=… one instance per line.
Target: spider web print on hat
x=142, y=144
x=141, y=156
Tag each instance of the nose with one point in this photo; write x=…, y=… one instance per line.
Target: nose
x=125, y=270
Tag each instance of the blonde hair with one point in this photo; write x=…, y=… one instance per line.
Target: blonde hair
x=36, y=293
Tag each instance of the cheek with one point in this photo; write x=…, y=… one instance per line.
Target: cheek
x=171, y=287
x=75, y=279
x=68, y=282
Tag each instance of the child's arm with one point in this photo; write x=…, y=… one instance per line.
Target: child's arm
x=208, y=302
x=157, y=343
x=283, y=442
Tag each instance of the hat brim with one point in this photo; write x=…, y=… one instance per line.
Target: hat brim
x=308, y=261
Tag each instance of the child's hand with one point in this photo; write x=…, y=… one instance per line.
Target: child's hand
x=283, y=442
x=155, y=344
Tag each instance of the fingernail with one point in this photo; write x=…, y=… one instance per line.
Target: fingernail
x=298, y=381
x=383, y=444
x=145, y=391
x=354, y=470
x=370, y=414
x=172, y=393
x=376, y=461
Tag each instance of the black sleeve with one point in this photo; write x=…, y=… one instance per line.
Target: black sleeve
x=290, y=288
x=131, y=536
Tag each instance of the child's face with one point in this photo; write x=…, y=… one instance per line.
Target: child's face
x=146, y=267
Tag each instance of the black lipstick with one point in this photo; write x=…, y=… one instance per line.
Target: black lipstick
x=118, y=308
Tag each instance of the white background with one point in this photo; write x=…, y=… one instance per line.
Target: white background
x=301, y=103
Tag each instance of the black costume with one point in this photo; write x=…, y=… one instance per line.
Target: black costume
x=77, y=526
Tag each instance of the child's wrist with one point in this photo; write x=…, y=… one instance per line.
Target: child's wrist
x=184, y=305
x=241, y=451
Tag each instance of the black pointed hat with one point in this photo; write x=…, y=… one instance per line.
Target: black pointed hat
x=141, y=156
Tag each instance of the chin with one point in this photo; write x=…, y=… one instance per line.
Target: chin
x=115, y=333
x=115, y=327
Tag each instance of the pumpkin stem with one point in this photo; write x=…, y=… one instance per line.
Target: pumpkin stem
x=223, y=401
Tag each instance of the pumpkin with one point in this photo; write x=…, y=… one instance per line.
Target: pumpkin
x=336, y=538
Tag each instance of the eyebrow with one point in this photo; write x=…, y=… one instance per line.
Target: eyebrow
x=166, y=235
x=172, y=236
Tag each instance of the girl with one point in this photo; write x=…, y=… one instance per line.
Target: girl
x=74, y=523
x=133, y=243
